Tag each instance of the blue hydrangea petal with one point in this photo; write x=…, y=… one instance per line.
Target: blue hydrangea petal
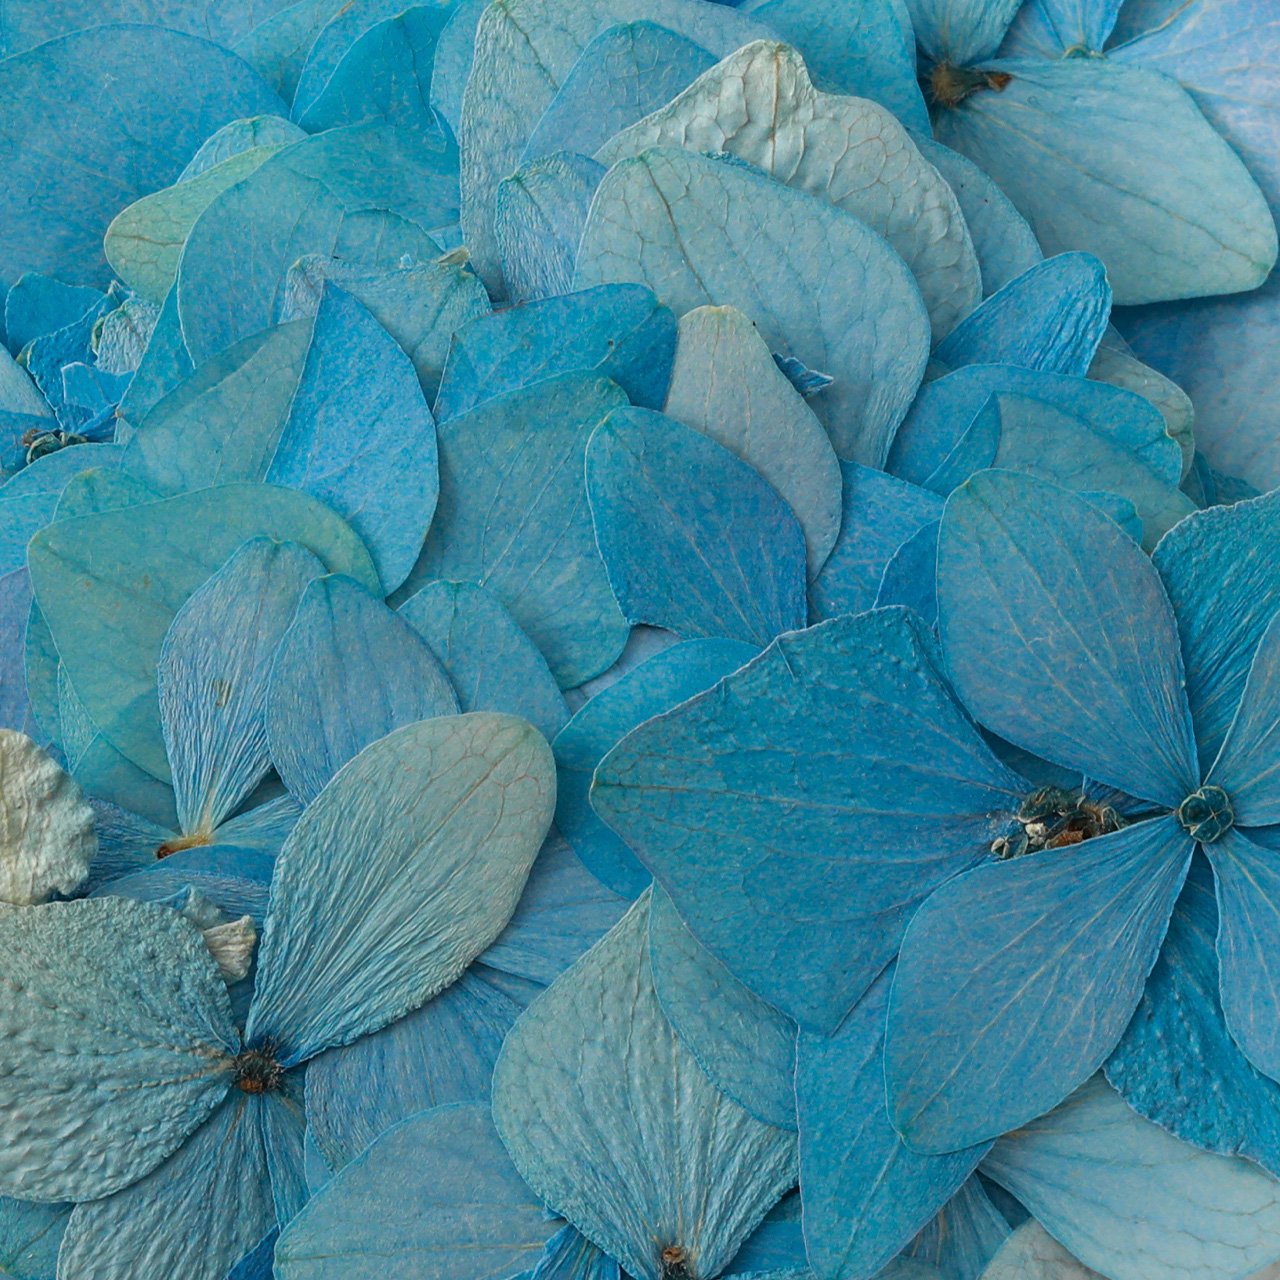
x=1100, y=688
x=631, y=1142
x=569, y=1255
x=1052, y=28
x=961, y=31
x=1017, y=979
x=964, y=1235
x=781, y=811
x=30, y=1236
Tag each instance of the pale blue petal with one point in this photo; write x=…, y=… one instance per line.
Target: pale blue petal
x=441, y=1053
x=911, y=577
x=491, y=663
x=1031, y=1253
x=212, y=675
x=569, y=1255
x=620, y=331
x=562, y=913
x=733, y=567
x=397, y=876
x=30, y=1235
x=613, y=1124
x=111, y=583
x=1052, y=28
x=278, y=44
x=1097, y=688
x=1177, y=1063
x=235, y=879
x=15, y=609
x=347, y=673
x=1248, y=769
x=1081, y=146
x=436, y=1195
x=746, y=1047
x=866, y=1194
x=965, y=1234
x=357, y=384
x=655, y=686
x=782, y=811
x=116, y=1018
x=166, y=363
x=961, y=31
x=513, y=516
x=692, y=227
x=1133, y=1202
x=1016, y=981
x=237, y=137
x=37, y=304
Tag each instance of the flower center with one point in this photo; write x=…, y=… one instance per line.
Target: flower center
x=1207, y=814
x=674, y=1263
x=196, y=840
x=257, y=1071
x=949, y=85
x=1053, y=818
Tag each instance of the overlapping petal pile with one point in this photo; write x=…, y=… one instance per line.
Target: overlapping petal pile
x=639, y=637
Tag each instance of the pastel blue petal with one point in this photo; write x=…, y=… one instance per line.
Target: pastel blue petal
x=212, y=678
x=562, y=913
x=420, y=304
x=733, y=566
x=170, y=92
x=233, y=878
x=165, y=364
x=30, y=1235
x=404, y=868
x=1060, y=638
x=1177, y=1063
x=1052, y=28
x=347, y=673
x=776, y=1245
x=569, y=1255
x=866, y=1194
x=1133, y=1202
x=612, y=1123
x=1081, y=147
x=221, y=425
x=115, y=1015
x=278, y=44
x=441, y=1053
x=1017, y=979
x=1031, y=1253
x=1225, y=588
x=625, y=73
x=911, y=577
x=1247, y=769
x=111, y=583
x=866, y=51
x=946, y=408
x=491, y=663
x=513, y=516
x=358, y=384
x=195, y=1216
x=880, y=514
x=523, y=54
x=782, y=811
x=37, y=304
x=726, y=384
x=1003, y=240
x=539, y=214
x=620, y=331
x=961, y=31
x=1050, y=318
x=238, y=137
x=264, y=826
x=385, y=74
x=15, y=609
x=655, y=686
x=367, y=193
x=691, y=227
x=435, y=1195
x=105, y=775
x=746, y=1047
x=964, y=1235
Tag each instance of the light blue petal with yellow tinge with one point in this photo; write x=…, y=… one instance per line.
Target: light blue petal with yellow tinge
x=655, y=686
x=733, y=568
x=1177, y=1063
x=212, y=675
x=358, y=384
x=1133, y=1202
x=746, y=1047
x=964, y=1235
x=620, y=331
x=781, y=810
x=692, y=228
x=1081, y=147
x=348, y=671
x=195, y=1216
x=1017, y=979
x=436, y=1192
x=404, y=868
x=513, y=516
x=1074, y=663
x=170, y=91
x=113, y=1013
x=113, y=582
x=491, y=663
x=441, y=1053
x=1225, y=587
x=631, y=1142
